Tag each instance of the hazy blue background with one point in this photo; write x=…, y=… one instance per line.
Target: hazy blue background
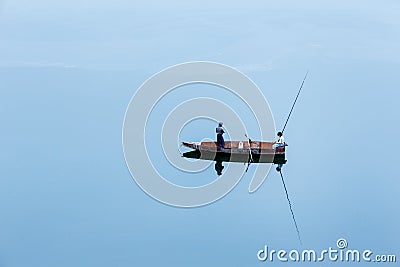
x=69, y=68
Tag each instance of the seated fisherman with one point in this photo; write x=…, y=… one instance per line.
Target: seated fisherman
x=280, y=142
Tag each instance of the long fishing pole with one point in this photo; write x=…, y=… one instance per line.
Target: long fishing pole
x=290, y=113
x=291, y=210
x=280, y=172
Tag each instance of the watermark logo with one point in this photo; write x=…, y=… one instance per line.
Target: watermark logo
x=146, y=98
x=338, y=254
x=341, y=243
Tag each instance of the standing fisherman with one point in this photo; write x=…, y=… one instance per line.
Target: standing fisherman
x=220, y=139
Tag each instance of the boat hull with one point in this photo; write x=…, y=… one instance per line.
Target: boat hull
x=237, y=151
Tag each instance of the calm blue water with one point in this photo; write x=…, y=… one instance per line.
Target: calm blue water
x=66, y=196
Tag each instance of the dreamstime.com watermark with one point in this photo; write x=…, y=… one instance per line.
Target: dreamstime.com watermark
x=338, y=254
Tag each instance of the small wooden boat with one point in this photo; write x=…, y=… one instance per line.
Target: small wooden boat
x=236, y=151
